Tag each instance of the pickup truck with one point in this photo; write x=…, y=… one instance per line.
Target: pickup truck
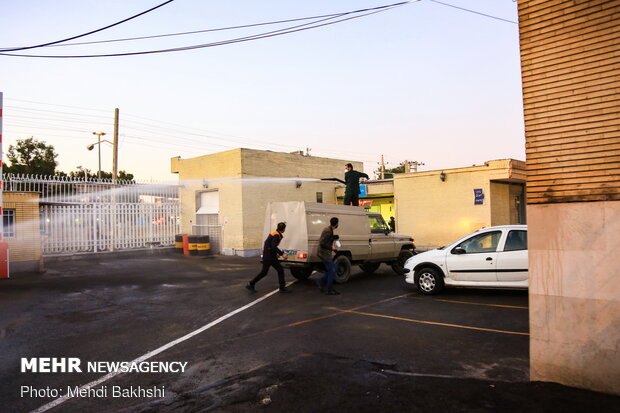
x=365, y=238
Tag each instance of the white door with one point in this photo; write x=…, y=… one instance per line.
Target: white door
x=475, y=259
x=512, y=261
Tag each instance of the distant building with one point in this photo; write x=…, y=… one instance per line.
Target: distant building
x=224, y=195
x=438, y=207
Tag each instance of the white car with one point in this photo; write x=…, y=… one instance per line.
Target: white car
x=494, y=257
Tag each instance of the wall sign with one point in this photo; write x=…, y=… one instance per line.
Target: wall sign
x=363, y=191
x=478, y=196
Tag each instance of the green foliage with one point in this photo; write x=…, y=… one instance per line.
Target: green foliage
x=31, y=156
x=122, y=175
x=389, y=173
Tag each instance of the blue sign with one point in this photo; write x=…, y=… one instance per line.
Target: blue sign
x=363, y=190
x=478, y=196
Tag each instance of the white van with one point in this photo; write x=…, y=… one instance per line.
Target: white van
x=365, y=237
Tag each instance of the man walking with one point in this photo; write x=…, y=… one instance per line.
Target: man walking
x=326, y=246
x=352, y=182
x=271, y=252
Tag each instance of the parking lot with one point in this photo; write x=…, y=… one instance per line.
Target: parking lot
x=380, y=346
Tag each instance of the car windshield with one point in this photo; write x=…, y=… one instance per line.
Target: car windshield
x=377, y=224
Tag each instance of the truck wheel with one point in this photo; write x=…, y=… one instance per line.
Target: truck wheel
x=428, y=281
x=370, y=267
x=343, y=269
x=301, y=273
x=399, y=265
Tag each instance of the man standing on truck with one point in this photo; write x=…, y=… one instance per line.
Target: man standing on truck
x=352, y=182
x=326, y=246
x=271, y=252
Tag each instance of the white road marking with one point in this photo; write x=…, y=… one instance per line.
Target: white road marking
x=155, y=352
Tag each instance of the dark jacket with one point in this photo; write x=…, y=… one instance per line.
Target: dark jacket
x=326, y=241
x=270, y=248
x=352, y=181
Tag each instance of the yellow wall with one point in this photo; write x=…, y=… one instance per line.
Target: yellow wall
x=221, y=171
x=257, y=195
x=438, y=212
x=26, y=245
x=237, y=174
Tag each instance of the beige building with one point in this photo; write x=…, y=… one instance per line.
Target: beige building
x=570, y=75
x=438, y=207
x=224, y=195
x=22, y=230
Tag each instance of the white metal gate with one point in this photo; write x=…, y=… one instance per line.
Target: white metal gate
x=82, y=215
x=107, y=227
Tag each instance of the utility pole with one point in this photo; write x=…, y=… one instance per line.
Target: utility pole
x=115, y=151
x=382, y=170
x=416, y=164
x=99, y=135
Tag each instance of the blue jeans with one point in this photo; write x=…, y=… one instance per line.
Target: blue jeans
x=328, y=278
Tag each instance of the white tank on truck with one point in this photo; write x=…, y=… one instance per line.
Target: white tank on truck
x=366, y=239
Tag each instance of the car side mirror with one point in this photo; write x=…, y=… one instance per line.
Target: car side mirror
x=459, y=251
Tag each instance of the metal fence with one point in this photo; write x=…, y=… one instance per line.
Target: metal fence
x=68, y=190
x=94, y=216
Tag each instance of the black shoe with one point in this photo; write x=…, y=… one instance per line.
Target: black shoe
x=285, y=290
x=250, y=287
x=333, y=292
x=319, y=284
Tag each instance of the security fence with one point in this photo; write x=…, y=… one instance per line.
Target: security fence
x=81, y=215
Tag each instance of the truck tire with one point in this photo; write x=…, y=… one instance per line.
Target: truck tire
x=343, y=269
x=399, y=265
x=301, y=273
x=370, y=267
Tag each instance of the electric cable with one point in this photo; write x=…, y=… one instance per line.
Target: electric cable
x=245, y=26
x=474, y=12
x=88, y=33
x=280, y=32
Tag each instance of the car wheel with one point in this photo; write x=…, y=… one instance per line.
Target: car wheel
x=343, y=269
x=301, y=273
x=370, y=267
x=399, y=265
x=429, y=281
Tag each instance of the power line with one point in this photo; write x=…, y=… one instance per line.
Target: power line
x=55, y=104
x=200, y=31
x=287, y=30
x=88, y=33
x=474, y=12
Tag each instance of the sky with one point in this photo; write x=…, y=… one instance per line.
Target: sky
x=421, y=82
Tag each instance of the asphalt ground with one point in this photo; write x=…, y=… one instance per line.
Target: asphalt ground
x=380, y=346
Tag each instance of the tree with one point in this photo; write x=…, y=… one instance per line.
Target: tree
x=121, y=176
x=31, y=156
x=389, y=173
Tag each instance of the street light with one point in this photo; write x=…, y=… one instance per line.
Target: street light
x=92, y=146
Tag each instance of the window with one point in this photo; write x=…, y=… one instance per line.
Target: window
x=486, y=242
x=516, y=241
x=377, y=224
x=8, y=219
x=319, y=197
